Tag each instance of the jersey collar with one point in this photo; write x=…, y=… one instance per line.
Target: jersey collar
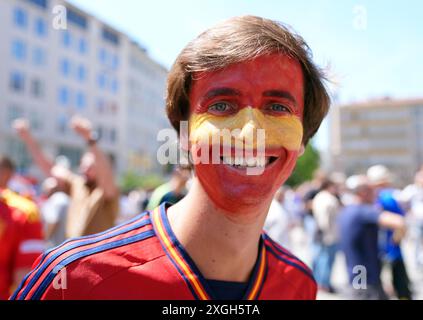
x=187, y=268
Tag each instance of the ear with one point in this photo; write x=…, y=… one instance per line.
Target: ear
x=302, y=150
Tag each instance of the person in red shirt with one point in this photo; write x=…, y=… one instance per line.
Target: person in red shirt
x=250, y=77
x=16, y=256
x=21, y=238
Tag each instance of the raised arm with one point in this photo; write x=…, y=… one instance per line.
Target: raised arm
x=40, y=158
x=105, y=178
x=394, y=222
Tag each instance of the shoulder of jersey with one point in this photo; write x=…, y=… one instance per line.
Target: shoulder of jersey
x=26, y=206
x=288, y=259
x=89, y=257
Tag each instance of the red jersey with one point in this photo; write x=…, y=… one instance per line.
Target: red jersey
x=142, y=259
x=19, y=246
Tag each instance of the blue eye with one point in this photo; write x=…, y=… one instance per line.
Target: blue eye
x=220, y=107
x=276, y=107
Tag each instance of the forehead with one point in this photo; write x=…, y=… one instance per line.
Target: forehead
x=269, y=72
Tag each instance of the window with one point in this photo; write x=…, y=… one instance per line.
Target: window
x=39, y=57
x=35, y=120
x=17, y=81
x=37, y=88
x=115, y=62
x=102, y=56
x=113, y=108
x=82, y=46
x=16, y=149
x=73, y=154
x=62, y=124
x=14, y=112
x=66, y=39
x=113, y=135
x=20, y=18
x=76, y=18
x=64, y=96
x=65, y=67
x=101, y=80
x=40, y=27
x=81, y=100
x=110, y=36
x=99, y=132
x=114, y=86
x=19, y=50
x=100, y=106
x=40, y=3
x=82, y=73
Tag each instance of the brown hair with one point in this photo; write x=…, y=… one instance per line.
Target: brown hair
x=6, y=163
x=239, y=39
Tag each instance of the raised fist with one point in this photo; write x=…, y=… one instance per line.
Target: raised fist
x=22, y=127
x=82, y=126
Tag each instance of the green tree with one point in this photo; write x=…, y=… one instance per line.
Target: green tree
x=306, y=165
x=131, y=180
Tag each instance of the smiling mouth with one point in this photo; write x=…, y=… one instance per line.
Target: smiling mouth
x=242, y=163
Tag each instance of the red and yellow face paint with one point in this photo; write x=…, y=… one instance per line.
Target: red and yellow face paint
x=262, y=111
x=280, y=131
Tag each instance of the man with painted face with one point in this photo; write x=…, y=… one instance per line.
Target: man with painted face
x=254, y=78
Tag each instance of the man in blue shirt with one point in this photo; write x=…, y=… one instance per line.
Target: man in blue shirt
x=380, y=177
x=359, y=224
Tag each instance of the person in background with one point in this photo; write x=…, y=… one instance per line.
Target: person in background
x=94, y=195
x=178, y=190
x=278, y=221
x=54, y=210
x=21, y=238
x=326, y=207
x=131, y=204
x=381, y=179
x=359, y=224
x=412, y=195
x=171, y=191
x=310, y=190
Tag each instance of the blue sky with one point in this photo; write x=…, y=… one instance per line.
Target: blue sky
x=373, y=48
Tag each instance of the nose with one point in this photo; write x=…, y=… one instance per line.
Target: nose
x=252, y=128
x=251, y=123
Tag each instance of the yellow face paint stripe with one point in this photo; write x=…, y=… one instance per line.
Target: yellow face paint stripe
x=254, y=292
x=280, y=131
x=169, y=247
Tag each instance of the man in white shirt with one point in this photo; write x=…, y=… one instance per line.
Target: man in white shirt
x=326, y=207
x=412, y=195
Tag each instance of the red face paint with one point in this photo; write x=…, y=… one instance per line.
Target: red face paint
x=273, y=84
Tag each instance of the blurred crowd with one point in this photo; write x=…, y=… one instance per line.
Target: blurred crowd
x=364, y=216
x=66, y=204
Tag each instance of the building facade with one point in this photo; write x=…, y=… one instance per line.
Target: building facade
x=388, y=132
x=54, y=66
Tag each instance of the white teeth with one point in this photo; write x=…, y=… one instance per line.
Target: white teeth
x=246, y=162
x=239, y=161
x=228, y=160
x=252, y=162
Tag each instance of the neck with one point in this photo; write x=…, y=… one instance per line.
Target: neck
x=177, y=187
x=223, y=247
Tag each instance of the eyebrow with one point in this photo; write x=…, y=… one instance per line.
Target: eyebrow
x=224, y=91
x=280, y=94
x=221, y=92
